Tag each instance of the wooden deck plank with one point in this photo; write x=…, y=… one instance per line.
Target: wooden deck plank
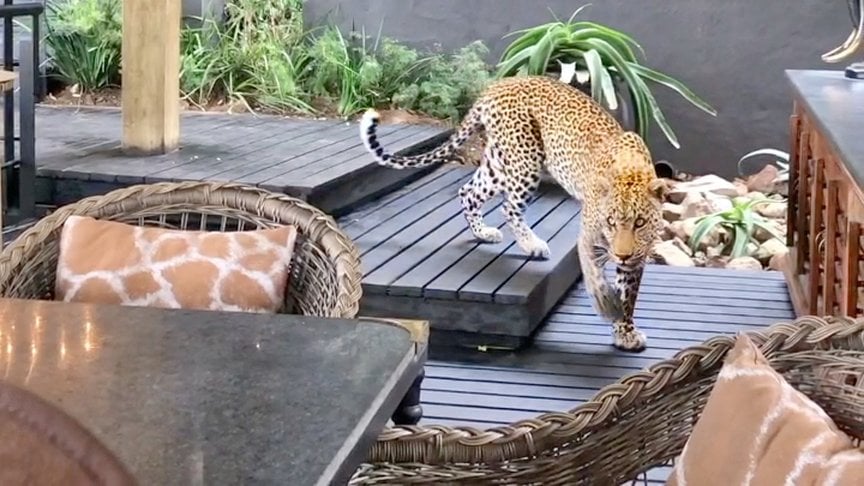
x=354, y=154
x=419, y=258
x=456, y=278
x=243, y=151
x=272, y=165
x=369, y=217
x=321, y=161
x=333, y=171
x=546, y=217
x=571, y=357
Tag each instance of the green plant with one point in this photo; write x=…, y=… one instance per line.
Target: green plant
x=604, y=53
x=83, y=42
x=344, y=70
x=781, y=161
x=255, y=56
x=448, y=84
x=741, y=220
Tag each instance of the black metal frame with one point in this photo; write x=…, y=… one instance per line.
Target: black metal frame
x=20, y=172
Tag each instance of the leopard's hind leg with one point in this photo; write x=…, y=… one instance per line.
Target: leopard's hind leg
x=521, y=177
x=484, y=185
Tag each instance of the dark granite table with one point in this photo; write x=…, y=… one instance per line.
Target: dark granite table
x=836, y=104
x=186, y=397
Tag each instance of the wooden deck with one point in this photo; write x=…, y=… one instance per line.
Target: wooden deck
x=421, y=261
x=571, y=358
x=323, y=161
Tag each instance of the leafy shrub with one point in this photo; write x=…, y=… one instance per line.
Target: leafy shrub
x=261, y=56
x=255, y=56
x=449, y=84
x=83, y=42
x=343, y=69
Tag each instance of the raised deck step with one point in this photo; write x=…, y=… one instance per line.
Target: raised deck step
x=420, y=260
x=321, y=161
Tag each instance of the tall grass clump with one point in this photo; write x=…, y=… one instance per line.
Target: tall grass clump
x=83, y=42
x=254, y=57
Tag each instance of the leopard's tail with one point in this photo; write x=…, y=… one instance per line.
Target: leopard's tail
x=448, y=152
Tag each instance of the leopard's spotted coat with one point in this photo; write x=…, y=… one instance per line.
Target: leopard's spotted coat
x=531, y=124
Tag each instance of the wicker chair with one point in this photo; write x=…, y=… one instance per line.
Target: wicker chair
x=629, y=427
x=325, y=276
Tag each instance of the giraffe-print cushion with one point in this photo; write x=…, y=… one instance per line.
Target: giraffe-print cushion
x=756, y=429
x=107, y=262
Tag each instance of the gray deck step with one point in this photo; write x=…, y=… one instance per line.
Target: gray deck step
x=420, y=260
x=323, y=161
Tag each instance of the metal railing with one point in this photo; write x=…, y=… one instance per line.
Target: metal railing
x=20, y=169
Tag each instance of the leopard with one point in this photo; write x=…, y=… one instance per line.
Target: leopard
x=533, y=125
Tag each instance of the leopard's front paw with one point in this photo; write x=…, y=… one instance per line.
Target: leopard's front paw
x=609, y=304
x=627, y=337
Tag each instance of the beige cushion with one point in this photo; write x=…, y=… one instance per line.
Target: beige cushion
x=108, y=262
x=756, y=429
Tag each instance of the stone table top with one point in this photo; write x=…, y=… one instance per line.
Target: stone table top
x=195, y=397
x=836, y=104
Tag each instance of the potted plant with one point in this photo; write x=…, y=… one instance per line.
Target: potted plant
x=606, y=65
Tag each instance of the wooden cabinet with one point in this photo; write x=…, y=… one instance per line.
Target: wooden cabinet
x=825, y=264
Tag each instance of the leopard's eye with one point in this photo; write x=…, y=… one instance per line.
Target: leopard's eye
x=610, y=221
x=640, y=222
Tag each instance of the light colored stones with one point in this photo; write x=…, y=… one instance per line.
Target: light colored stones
x=717, y=203
x=691, y=200
x=744, y=263
x=694, y=205
x=672, y=211
x=772, y=210
x=764, y=180
x=769, y=248
x=670, y=253
x=708, y=183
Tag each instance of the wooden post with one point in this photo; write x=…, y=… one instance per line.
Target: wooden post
x=151, y=76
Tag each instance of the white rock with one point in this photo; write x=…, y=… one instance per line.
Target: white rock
x=694, y=205
x=762, y=235
x=669, y=253
x=714, y=251
x=682, y=246
x=672, y=211
x=772, y=210
x=707, y=183
x=688, y=227
x=744, y=263
x=769, y=248
x=718, y=203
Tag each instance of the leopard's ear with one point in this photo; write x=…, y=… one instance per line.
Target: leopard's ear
x=658, y=188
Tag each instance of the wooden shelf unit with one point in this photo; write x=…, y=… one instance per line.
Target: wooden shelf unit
x=825, y=265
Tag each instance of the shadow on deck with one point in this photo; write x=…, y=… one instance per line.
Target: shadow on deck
x=321, y=161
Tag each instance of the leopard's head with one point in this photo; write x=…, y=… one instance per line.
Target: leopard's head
x=631, y=196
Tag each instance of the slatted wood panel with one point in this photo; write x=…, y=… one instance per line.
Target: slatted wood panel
x=323, y=161
x=420, y=260
x=571, y=358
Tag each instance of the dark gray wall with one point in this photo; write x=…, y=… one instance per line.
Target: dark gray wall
x=731, y=52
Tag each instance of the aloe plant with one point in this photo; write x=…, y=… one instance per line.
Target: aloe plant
x=742, y=220
x=604, y=53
